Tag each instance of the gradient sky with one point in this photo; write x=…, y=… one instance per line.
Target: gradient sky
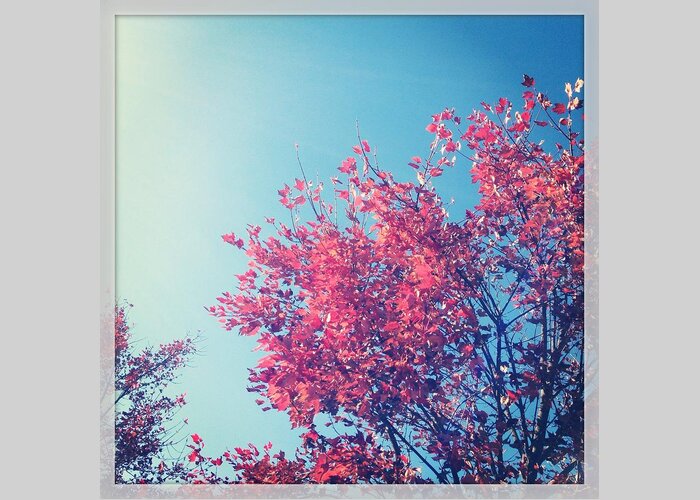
x=208, y=111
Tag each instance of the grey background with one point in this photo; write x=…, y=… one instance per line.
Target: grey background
x=49, y=199
x=107, y=242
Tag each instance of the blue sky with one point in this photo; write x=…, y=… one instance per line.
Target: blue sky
x=208, y=112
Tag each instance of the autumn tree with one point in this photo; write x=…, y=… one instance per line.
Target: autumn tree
x=409, y=346
x=146, y=431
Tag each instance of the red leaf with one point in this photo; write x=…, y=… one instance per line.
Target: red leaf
x=451, y=146
x=559, y=108
x=502, y=103
x=315, y=321
x=424, y=275
x=528, y=81
x=267, y=361
x=392, y=326
x=348, y=165
x=231, y=239
x=282, y=401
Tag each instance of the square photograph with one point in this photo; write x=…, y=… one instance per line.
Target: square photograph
x=349, y=250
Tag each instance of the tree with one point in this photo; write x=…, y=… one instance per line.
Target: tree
x=145, y=429
x=408, y=346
